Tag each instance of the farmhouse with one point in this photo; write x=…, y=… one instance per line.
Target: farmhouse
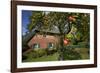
x=46, y=39
x=41, y=41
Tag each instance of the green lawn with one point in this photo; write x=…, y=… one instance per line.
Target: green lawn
x=82, y=54
x=53, y=57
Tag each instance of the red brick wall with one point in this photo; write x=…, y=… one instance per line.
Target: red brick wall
x=43, y=41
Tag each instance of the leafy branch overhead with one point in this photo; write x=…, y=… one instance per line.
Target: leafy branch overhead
x=64, y=21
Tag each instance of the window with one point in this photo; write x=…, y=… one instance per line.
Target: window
x=36, y=45
x=50, y=45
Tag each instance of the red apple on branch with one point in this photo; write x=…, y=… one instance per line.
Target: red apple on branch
x=71, y=18
x=66, y=41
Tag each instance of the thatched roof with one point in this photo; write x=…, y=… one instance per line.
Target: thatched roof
x=28, y=36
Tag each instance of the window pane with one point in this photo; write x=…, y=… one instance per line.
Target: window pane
x=50, y=45
x=36, y=45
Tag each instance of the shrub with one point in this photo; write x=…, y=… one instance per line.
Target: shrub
x=24, y=47
x=69, y=54
x=24, y=57
x=37, y=53
x=31, y=54
x=41, y=52
x=51, y=51
x=74, y=41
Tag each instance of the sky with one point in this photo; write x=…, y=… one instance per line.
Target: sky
x=25, y=20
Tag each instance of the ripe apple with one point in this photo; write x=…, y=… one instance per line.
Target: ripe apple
x=71, y=18
x=65, y=41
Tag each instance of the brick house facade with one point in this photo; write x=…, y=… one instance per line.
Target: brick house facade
x=41, y=41
x=48, y=38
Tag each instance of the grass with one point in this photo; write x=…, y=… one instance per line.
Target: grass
x=53, y=57
x=84, y=52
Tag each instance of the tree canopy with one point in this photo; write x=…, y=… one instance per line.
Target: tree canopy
x=78, y=21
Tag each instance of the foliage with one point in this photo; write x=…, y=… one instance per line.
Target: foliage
x=69, y=36
x=78, y=21
x=78, y=36
x=35, y=53
x=25, y=47
x=51, y=51
x=36, y=18
x=84, y=52
x=52, y=57
x=70, y=54
x=24, y=57
x=41, y=52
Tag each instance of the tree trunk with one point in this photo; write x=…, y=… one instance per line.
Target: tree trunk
x=61, y=47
